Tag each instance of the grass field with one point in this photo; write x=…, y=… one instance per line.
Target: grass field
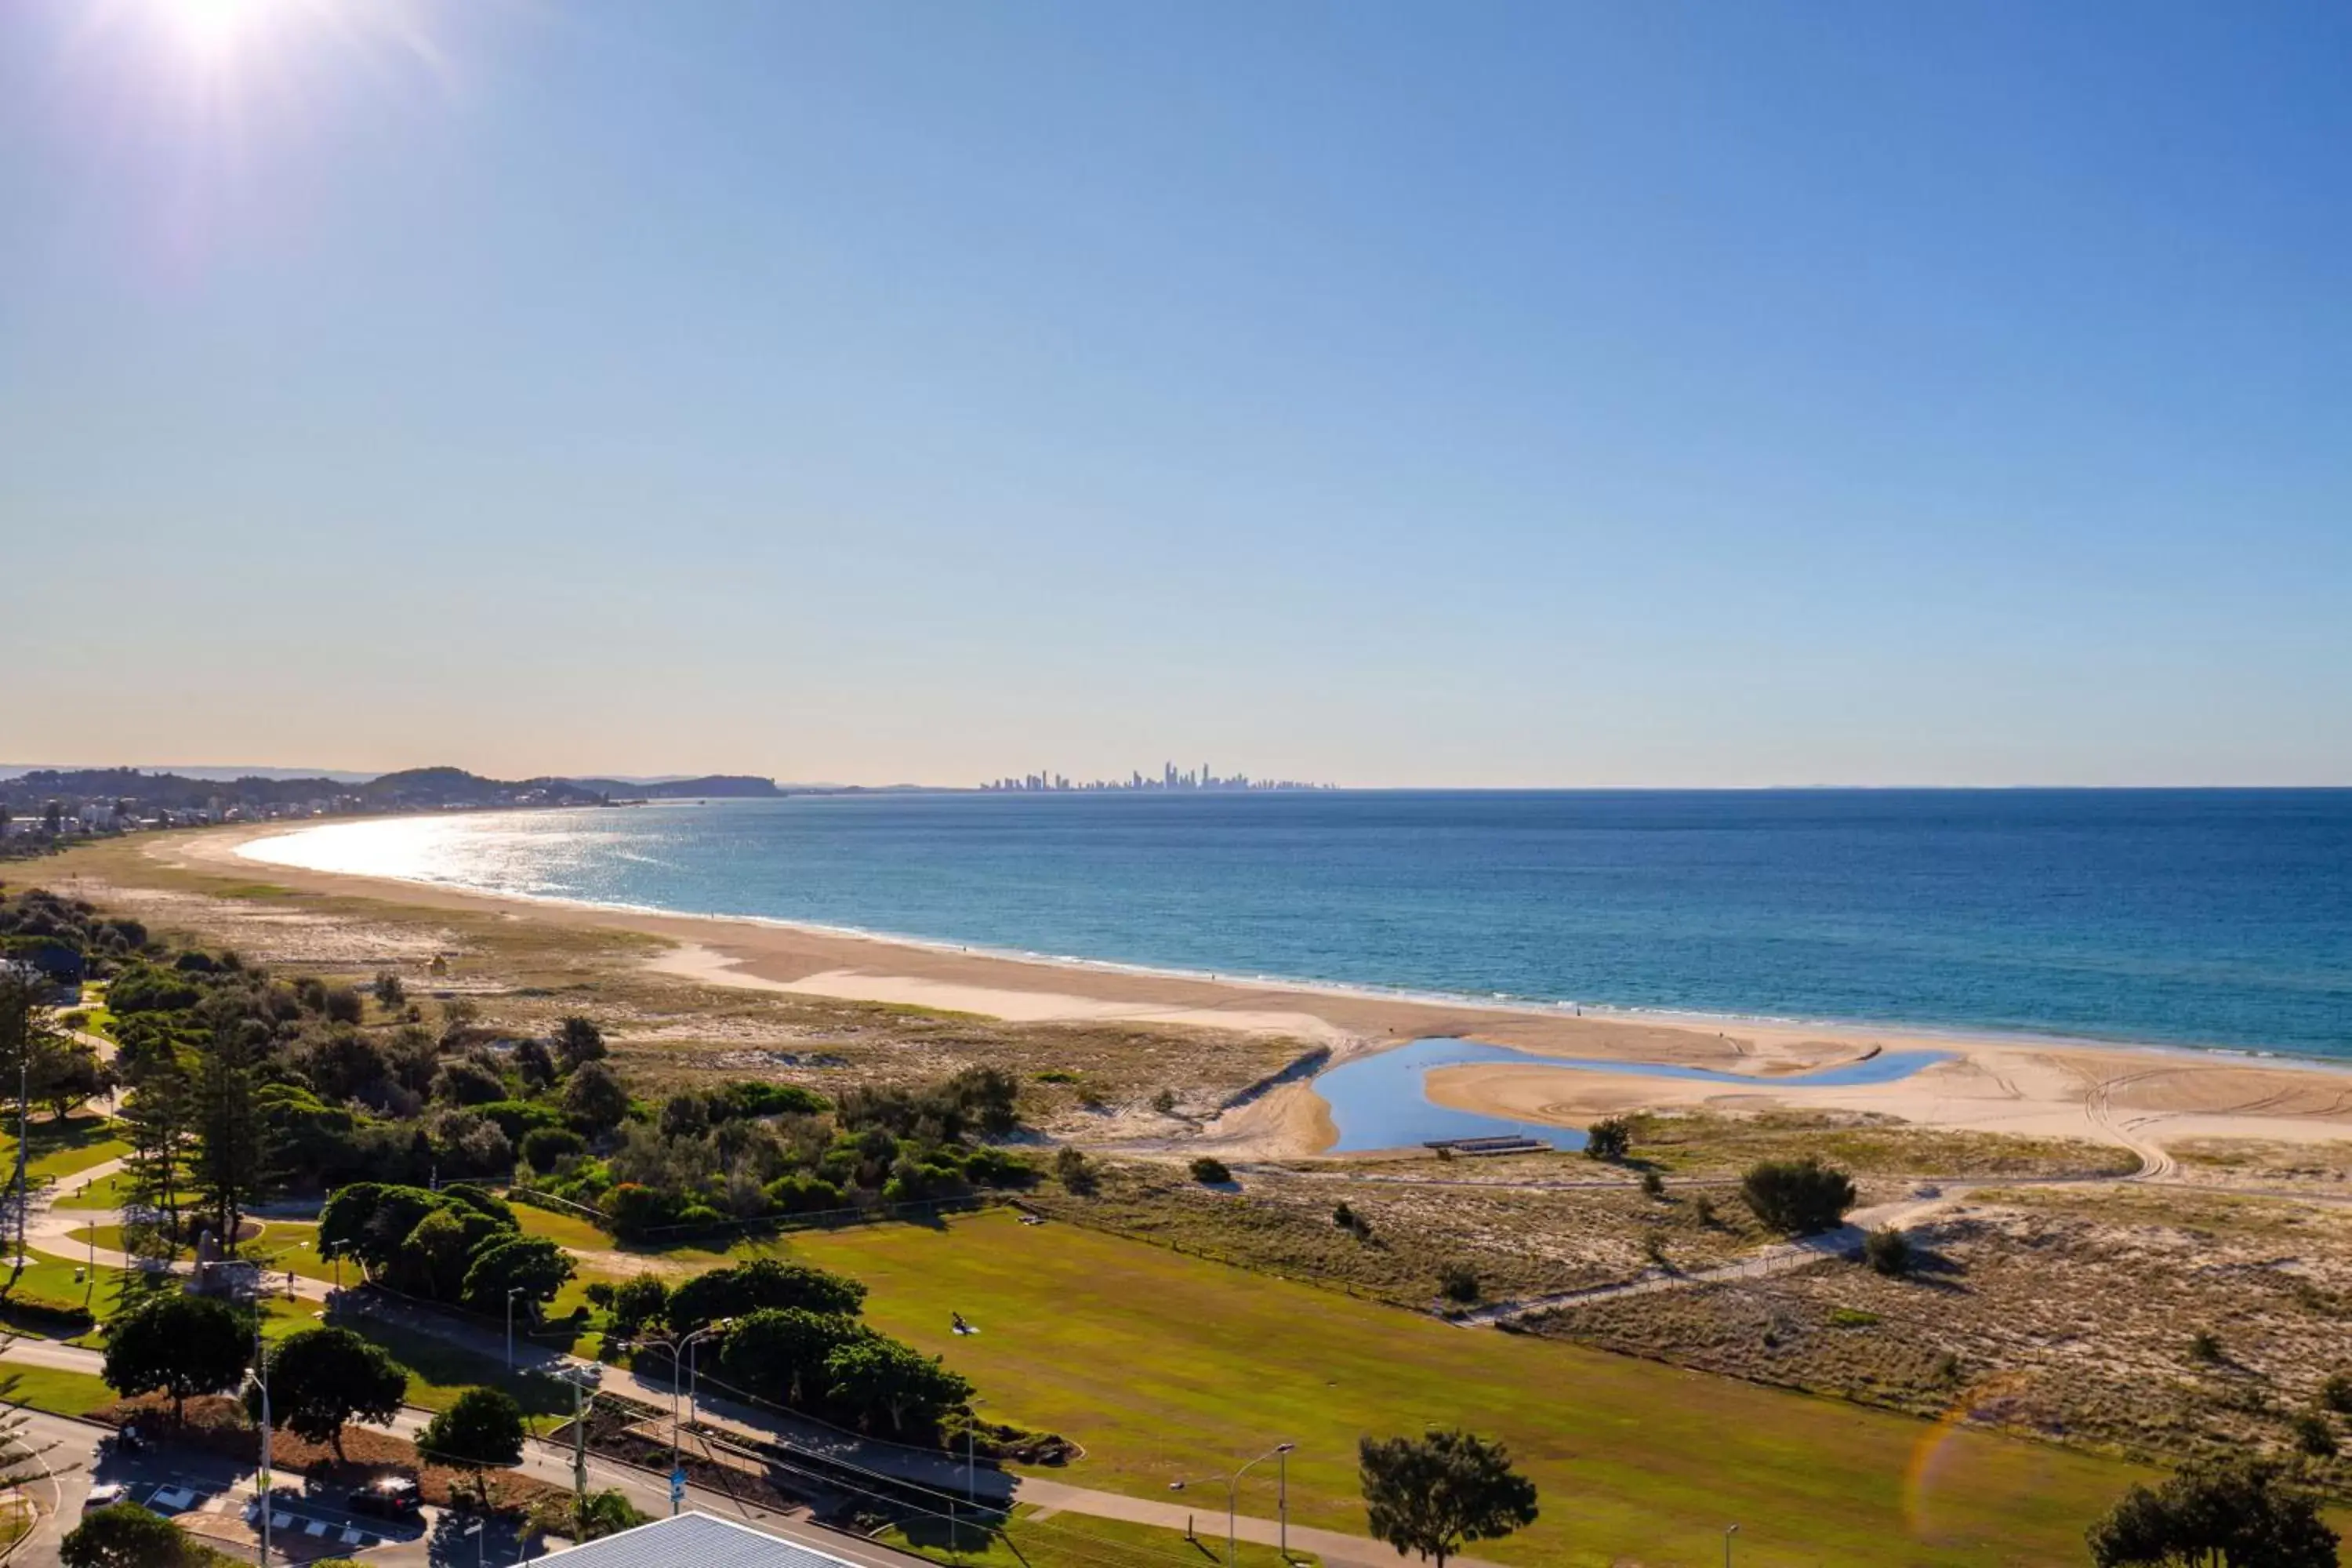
x=60, y=1149
x=1167, y=1367
x=106, y=1192
x=58, y=1391
x=1076, y=1541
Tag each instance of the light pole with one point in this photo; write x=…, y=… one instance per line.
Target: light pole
x=1280, y=1452
x=1728, y=1533
x=685, y=1342
x=511, y=1294
x=261, y=1378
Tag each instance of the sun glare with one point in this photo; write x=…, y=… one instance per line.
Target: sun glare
x=216, y=30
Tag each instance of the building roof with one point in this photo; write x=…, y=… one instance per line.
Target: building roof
x=703, y=1540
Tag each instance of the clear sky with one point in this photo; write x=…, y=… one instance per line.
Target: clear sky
x=1510, y=393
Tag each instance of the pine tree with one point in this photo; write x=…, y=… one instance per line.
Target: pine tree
x=231, y=1139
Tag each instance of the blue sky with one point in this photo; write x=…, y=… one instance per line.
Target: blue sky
x=1505, y=394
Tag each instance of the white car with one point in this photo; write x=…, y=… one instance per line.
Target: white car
x=105, y=1495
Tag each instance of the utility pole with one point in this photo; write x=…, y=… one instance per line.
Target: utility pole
x=23, y=1138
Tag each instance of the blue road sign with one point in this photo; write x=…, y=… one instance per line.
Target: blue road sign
x=677, y=1485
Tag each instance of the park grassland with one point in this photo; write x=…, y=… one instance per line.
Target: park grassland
x=1031, y=1539
x=1166, y=1367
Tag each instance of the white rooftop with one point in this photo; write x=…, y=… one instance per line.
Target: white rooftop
x=703, y=1540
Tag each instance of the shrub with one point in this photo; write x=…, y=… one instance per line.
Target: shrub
x=1211, y=1171
x=343, y=1005
x=2336, y=1393
x=1798, y=1198
x=2205, y=1345
x=1609, y=1139
x=1653, y=1184
x=2312, y=1435
x=1703, y=1209
x=1888, y=1251
x=1852, y=1317
x=1458, y=1282
x=1075, y=1172
x=1164, y=1102
x=30, y=1309
x=545, y=1147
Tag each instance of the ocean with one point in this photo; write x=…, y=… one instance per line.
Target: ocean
x=2214, y=918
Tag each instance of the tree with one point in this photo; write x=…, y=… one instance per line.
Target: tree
x=781, y=1353
x=763, y=1283
x=875, y=1374
x=321, y=1378
x=577, y=1042
x=1211, y=1171
x=1609, y=1139
x=638, y=1301
x=178, y=1345
x=231, y=1151
x=482, y=1432
x=125, y=1535
x=389, y=991
x=1798, y=1198
x=594, y=1100
x=534, y=1265
x=2228, y=1513
x=1434, y=1494
x=158, y=1121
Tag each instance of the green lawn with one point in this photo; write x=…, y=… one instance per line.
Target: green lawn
x=1167, y=1367
x=58, y=1391
x=107, y=1192
x=60, y=1149
x=439, y=1370
x=1076, y=1541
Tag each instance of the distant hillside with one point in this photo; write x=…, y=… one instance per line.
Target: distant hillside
x=417, y=788
x=710, y=786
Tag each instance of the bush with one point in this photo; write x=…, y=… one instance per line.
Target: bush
x=1075, y=1172
x=1888, y=1251
x=1798, y=1198
x=2205, y=1345
x=1211, y=1171
x=1609, y=1139
x=1458, y=1282
x=1652, y=1185
x=2336, y=1393
x=2312, y=1435
x=545, y=1147
x=30, y=1309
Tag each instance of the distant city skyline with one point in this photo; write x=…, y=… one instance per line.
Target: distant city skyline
x=1570, y=395
x=1168, y=778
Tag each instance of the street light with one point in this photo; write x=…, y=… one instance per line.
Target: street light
x=1280, y=1452
x=474, y=1530
x=1728, y=1533
x=686, y=1343
x=261, y=1378
x=511, y=1294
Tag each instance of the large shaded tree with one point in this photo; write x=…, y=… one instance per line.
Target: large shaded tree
x=2230, y=1514
x=762, y=1282
x=322, y=1378
x=1435, y=1493
x=876, y=1375
x=178, y=1345
x=779, y=1353
x=482, y=1432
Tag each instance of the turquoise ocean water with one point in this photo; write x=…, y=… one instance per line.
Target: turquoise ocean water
x=2215, y=917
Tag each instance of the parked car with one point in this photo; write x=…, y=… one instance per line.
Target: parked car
x=106, y=1494
x=393, y=1497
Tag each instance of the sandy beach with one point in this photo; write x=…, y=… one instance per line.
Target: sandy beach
x=2142, y=1098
